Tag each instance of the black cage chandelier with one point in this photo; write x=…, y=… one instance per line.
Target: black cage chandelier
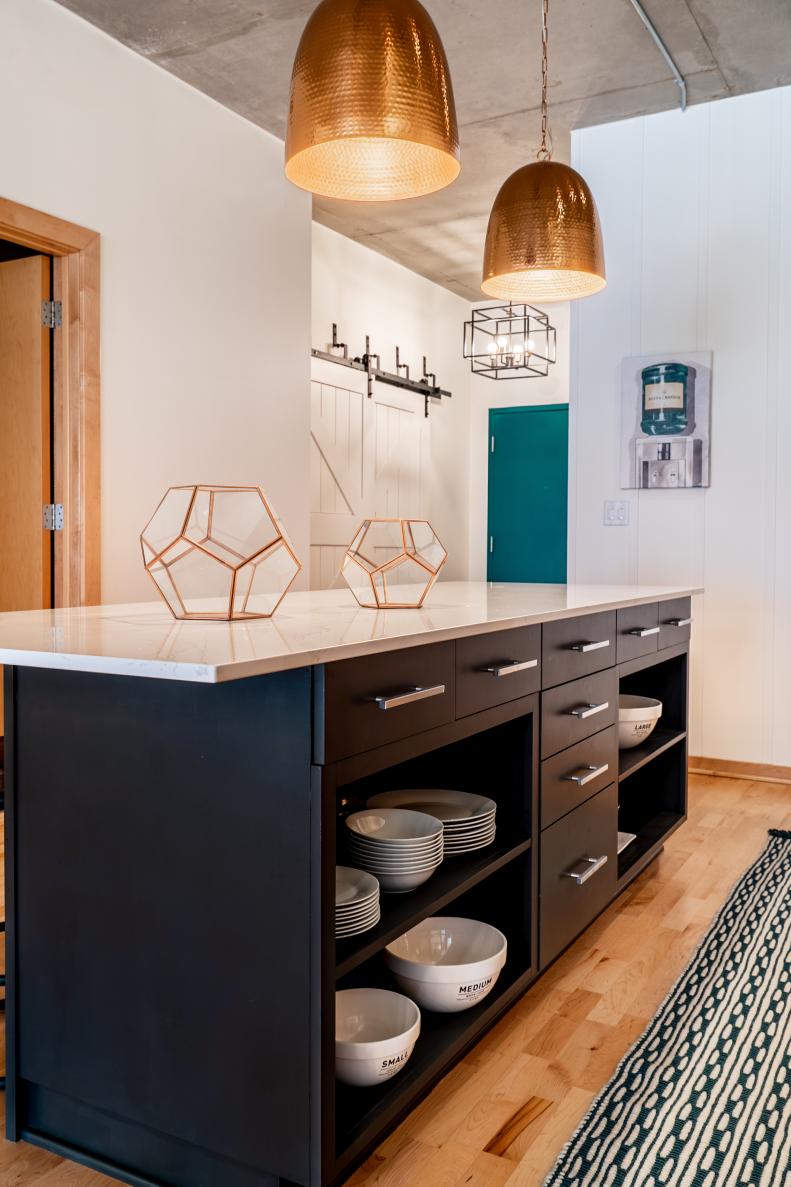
x=511, y=341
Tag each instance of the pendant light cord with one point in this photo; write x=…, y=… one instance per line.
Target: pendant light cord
x=545, y=149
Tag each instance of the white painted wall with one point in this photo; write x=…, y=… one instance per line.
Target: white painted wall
x=205, y=270
x=696, y=210
x=365, y=293
x=507, y=393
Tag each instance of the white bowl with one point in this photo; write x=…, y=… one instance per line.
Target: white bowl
x=375, y=1034
x=448, y=963
x=401, y=883
x=403, y=867
x=637, y=717
x=394, y=825
x=377, y=850
x=388, y=858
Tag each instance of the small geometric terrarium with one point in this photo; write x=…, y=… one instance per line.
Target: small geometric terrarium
x=393, y=563
x=218, y=553
x=512, y=341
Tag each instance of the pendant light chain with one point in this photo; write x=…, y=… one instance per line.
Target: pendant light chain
x=545, y=150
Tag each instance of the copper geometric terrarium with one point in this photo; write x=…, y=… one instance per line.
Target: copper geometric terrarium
x=393, y=563
x=218, y=553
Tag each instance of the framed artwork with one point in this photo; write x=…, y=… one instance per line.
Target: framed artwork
x=665, y=420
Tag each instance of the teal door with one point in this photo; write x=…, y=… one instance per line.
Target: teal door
x=528, y=493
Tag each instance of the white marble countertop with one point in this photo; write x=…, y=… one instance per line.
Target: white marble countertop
x=309, y=628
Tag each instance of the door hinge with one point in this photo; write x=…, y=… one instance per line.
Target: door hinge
x=491, y=544
x=491, y=444
x=51, y=314
x=53, y=517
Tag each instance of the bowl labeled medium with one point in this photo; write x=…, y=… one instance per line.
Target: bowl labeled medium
x=448, y=963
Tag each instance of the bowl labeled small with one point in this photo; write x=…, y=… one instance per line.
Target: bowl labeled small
x=375, y=1034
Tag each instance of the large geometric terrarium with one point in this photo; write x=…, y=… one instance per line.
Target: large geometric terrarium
x=512, y=341
x=218, y=553
x=391, y=564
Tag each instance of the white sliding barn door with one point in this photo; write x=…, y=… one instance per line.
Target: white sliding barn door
x=367, y=457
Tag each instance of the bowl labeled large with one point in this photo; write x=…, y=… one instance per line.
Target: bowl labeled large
x=375, y=1034
x=637, y=718
x=448, y=963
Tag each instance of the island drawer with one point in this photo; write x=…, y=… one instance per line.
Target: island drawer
x=574, y=647
x=575, y=711
x=495, y=668
x=638, y=631
x=571, y=777
x=675, y=620
x=367, y=702
x=579, y=871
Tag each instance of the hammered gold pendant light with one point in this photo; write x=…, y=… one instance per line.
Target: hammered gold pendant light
x=371, y=114
x=544, y=241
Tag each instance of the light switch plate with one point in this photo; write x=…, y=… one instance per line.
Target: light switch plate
x=616, y=513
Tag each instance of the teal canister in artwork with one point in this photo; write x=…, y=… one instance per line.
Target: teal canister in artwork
x=668, y=399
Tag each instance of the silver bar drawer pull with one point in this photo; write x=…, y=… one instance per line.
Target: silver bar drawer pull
x=511, y=666
x=583, y=711
x=394, y=700
x=642, y=632
x=587, y=773
x=585, y=869
x=678, y=622
x=585, y=647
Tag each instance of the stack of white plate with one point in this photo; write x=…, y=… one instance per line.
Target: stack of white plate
x=356, y=901
x=401, y=848
x=468, y=820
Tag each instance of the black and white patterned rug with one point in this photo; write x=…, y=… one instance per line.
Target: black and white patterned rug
x=703, y=1099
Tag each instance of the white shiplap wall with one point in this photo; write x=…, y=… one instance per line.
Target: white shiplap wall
x=696, y=212
x=419, y=467
x=367, y=457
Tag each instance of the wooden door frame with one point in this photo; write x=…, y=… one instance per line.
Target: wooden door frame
x=75, y=355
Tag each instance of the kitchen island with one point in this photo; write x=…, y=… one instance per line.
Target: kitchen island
x=173, y=796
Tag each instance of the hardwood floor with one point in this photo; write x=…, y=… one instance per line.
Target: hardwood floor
x=502, y=1116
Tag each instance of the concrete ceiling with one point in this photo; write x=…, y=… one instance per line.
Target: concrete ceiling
x=603, y=66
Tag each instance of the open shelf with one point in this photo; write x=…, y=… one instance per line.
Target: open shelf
x=652, y=777
x=467, y=765
x=454, y=877
x=502, y=898
x=361, y=1111
x=651, y=803
x=660, y=740
x=644, y=848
